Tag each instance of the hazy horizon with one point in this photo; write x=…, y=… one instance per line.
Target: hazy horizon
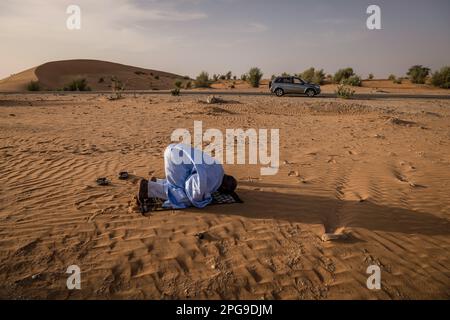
x=188, y=36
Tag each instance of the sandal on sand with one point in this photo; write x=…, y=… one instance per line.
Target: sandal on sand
x=102, y=181
x=123, y=175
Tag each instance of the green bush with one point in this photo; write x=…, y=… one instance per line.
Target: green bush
x=33, y=86
x=354, y=81
x=343, y=74
x=313, y=76
x=244, y=77
x=319, y=77
x=254, y=77
x=344, y=92
x=175, y=92
x=418, y=74
x=202, y=80
x=228, y=75
x=441, y=78
x=77, y=85
x=370, y=76
x=117, y=86
x=392, y=77
x=178, y=84
x=307, y=75
x=397, y=81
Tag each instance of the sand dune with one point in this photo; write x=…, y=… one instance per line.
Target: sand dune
x=347, y=168
x=56, y=75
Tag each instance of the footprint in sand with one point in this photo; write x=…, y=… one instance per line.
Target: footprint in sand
x=402, y=178
x=293, y=174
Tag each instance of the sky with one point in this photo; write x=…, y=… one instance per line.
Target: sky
x=188, y=36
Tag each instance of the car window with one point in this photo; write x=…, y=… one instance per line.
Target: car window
x=278, y=80
x=298, y=81
x=287, y=80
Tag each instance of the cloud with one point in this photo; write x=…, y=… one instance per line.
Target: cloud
x=109, y=30
x=256, y=27
x=105, y=10
x=173, y=16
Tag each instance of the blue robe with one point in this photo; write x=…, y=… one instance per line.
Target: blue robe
x=191, y=182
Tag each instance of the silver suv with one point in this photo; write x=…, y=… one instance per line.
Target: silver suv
x=283, y=85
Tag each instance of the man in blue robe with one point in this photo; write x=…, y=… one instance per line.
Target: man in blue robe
x=191, y=178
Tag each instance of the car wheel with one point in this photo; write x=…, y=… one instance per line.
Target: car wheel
x=279, y=92
x=310, y=93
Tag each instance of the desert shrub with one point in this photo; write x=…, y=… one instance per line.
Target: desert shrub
x=313, y=76
x=215, y=77
x=234, y=77
x=33, y=86
x=397, y=81
x=273, y=77
x=307, y=75
x=392, y=77
x=228, y=75
x=178, y=84
x=319, y=76
x=188, y=85
x=116, y=84
x=222, y=77
x=354, y=81
x=441, y=78
x=418, y=74
x=244, y=77
x=344, y=92
x=175, y=92
x=202, y=80
x=370, y=77
x=117, y=87
x=254, y=77
x=342, y=75
x=77, y=85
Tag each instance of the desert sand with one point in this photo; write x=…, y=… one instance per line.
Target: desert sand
x=376, y=171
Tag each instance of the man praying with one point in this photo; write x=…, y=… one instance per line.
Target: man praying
x=192, y=176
